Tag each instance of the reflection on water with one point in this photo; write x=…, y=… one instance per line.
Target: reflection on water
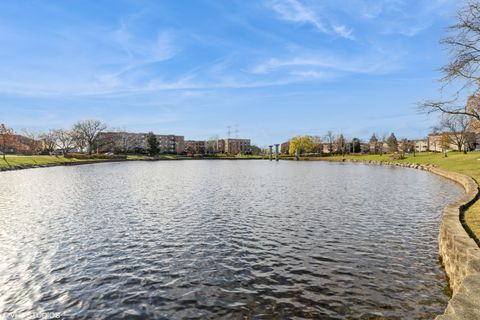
x=222, y=239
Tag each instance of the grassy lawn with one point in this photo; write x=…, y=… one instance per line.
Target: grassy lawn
x=467, y=164
x=14, y=160
x=17, y=160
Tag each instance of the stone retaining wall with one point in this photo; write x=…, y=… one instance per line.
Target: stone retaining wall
x=460, y=254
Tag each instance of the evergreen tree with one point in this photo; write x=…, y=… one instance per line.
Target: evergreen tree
x=392, y=143
x=341, y=144
x=153, y=146
x=356, y=145
x=374, y=144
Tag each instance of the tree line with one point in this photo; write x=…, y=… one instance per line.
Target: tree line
x=338, y=144
x=82, y=135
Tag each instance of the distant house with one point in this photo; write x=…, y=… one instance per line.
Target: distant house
x=421, y=145
x=435, y=141
x=328, y=148
x=18, y=144
x=365, y=147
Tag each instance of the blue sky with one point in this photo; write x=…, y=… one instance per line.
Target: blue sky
x=272, y=68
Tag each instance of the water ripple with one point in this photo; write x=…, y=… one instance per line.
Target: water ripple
x=222, y=239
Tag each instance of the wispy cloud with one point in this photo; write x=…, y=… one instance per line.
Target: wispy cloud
x=86, y=60
x=128, y=55
x=142, y=51
x=375, y=64
x=295, y=11
x=343, y=31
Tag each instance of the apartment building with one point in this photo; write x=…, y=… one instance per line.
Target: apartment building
x=195, y=146
x=237, y=146
x=127, y=142
x=285, y=147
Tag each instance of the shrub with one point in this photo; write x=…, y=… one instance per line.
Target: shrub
x=397, y=156
x=82, y=156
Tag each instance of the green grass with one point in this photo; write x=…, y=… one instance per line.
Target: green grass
x=14, y=160
x=467, y=164
x=18, y=160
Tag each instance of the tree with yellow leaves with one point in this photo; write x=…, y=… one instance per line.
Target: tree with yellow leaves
x=302, y=143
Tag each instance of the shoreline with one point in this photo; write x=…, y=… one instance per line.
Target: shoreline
x=95, y=161
x=458, y=249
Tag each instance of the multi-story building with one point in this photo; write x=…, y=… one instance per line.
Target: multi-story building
x=284, y=147
x=195, y=146
x=126, y=142
x=236, y=146
x=214, y=146
x=171, y=143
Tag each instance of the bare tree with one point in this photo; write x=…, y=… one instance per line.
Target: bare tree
x=86, y=132
x=212, y=145
x=317, y=141
x=382, y=140
x=116, y=140
x=32, y=139
x=65, y=140
x=49, y=140
x=406, y=146
x=79, y=139
x=7, y=139
x=463, y=44
x=123, y=144
x=457, y=126
x=330, y=140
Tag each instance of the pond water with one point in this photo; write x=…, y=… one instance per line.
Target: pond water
x=217, y=239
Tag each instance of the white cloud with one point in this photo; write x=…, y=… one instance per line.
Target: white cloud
x=310, y=74
x=370, y=63
x=344, y=32
x=295, y=11
x=145, y=50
